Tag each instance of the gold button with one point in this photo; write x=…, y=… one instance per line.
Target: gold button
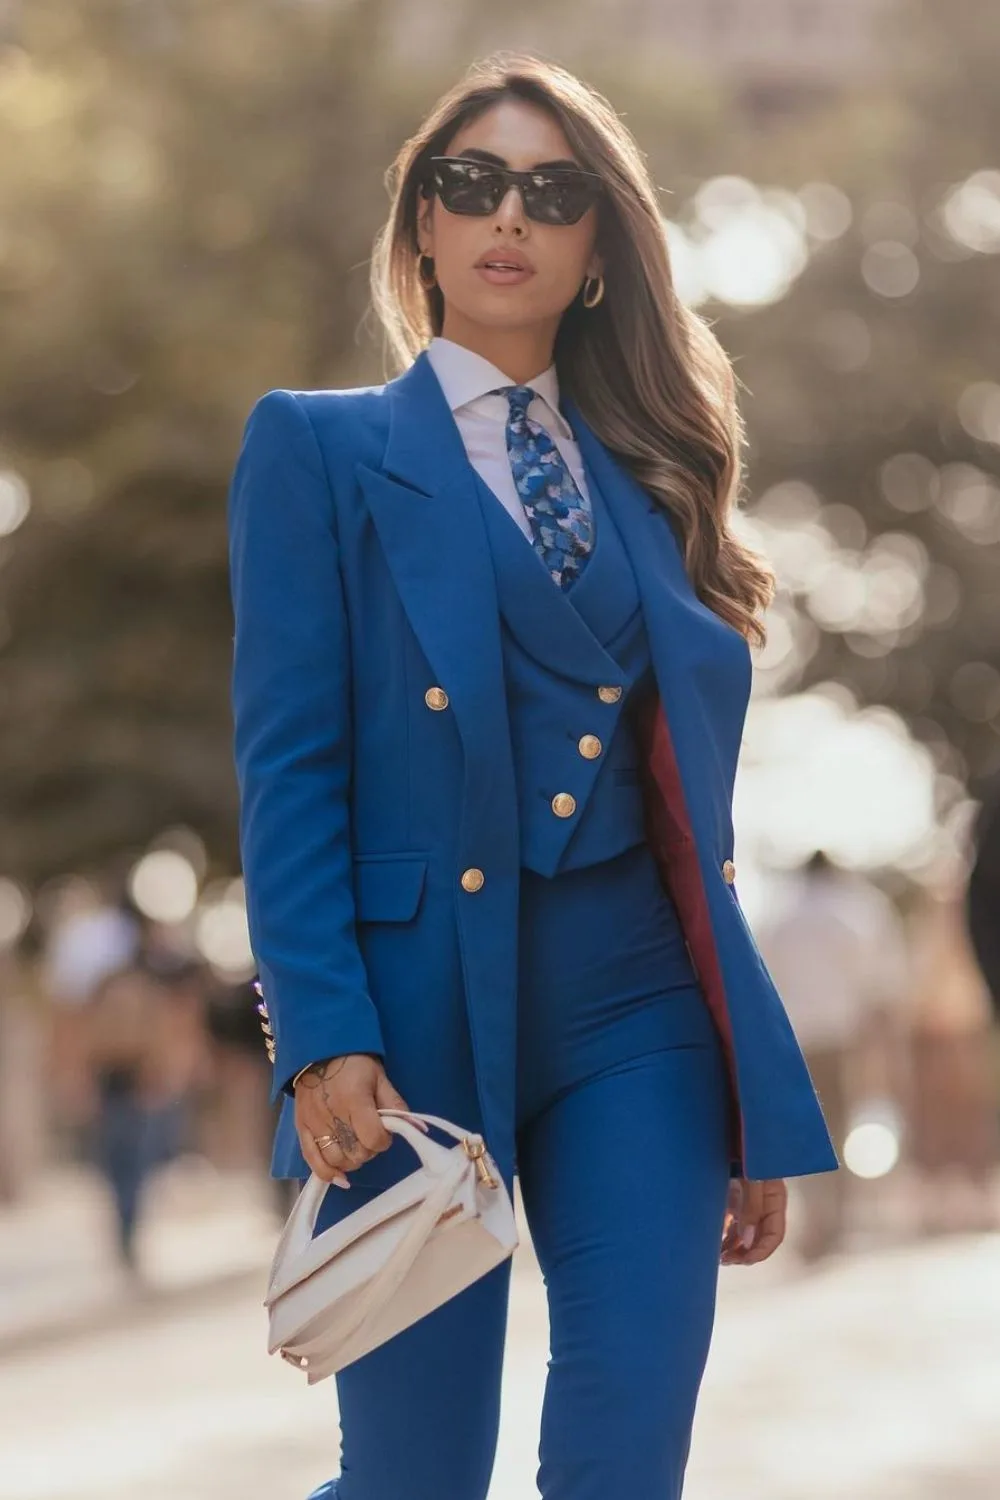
x=728, y=871
x=589, y=746
x=564, y=804
x=472, y=879
x=436, y=697
x=609, y=694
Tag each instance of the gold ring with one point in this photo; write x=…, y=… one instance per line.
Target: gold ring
x=322, y=1141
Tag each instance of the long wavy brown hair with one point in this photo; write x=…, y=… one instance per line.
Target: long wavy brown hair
x=648, y=373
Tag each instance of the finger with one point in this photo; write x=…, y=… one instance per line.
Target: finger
x=762, y=1249
x=730, y=1227
x=770, y=1232
x=369, y=1127
x=339, y=1177
x=314, y=1124
x=730, y=1244
x=751, y=1209
x=387, y=1097
x=346, y=1150
x=326, y=1171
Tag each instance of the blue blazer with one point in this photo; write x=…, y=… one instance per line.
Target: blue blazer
x=378, y=815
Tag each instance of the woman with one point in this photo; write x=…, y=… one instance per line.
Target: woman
x=491, y=667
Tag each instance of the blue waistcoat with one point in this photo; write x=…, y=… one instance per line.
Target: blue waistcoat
x=559, y=648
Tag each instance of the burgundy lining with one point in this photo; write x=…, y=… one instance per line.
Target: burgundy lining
x=672, y=842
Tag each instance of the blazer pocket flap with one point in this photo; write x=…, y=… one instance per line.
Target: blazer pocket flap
x=387, y=887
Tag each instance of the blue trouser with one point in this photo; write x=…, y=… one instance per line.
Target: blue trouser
x=623, y=1161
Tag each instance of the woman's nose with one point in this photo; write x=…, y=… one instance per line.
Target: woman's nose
x=510, y=211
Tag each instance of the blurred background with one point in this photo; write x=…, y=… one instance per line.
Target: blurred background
x=188, y=195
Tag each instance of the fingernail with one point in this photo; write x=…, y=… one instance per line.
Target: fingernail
x=341, y=1182
x=747, y=1237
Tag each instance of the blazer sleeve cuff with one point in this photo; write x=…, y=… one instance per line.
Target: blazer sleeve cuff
x=354, y=1028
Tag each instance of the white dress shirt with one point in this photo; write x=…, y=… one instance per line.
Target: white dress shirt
x=466, y=378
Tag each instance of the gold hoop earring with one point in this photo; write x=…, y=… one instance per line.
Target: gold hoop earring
x=592, y=301
x=427, y=285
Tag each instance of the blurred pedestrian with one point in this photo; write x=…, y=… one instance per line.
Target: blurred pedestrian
x=137, y=1043
x=955, y=1127
x=836, y=951
x=92, y=931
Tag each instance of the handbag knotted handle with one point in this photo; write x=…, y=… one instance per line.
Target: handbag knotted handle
x=386, y=1283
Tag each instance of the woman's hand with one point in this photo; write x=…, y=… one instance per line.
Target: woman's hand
x=340, y=1098
x=754, y=1225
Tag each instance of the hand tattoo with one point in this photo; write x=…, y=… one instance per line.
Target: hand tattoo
x=343, y=1135
x=318, y=1076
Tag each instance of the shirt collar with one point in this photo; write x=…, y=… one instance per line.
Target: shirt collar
x=464, y=376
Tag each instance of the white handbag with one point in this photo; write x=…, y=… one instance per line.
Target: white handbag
x=335, y=1296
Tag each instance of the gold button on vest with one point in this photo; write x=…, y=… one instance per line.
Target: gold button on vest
x=436, y=697
x=589, y=746
x=472, y=879
x=728, y=871
x=564, y=804
x=609, y=694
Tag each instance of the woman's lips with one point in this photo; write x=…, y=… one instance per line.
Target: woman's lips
x=501, y=275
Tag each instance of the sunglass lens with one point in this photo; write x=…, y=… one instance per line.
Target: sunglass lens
x=558, y=200
x=467, y=188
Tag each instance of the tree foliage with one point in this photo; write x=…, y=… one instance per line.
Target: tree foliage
x=190, y=192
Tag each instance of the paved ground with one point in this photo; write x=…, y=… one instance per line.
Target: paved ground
x=57, y=1267
x=873, y=1378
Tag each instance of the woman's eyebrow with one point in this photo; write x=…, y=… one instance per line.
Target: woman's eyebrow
x=492, y=159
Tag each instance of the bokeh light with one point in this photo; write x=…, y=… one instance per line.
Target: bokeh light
x=164, y=886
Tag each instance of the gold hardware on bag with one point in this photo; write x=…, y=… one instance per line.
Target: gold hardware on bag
x=476, y=1150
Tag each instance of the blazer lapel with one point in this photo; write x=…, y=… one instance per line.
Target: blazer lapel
x=702, y=664
x=690, y=733
x=426, y=511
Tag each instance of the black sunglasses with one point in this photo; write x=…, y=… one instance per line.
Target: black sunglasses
x=553, y=195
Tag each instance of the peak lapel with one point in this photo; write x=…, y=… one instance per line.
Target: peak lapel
x=424, y=505
x=702, y=664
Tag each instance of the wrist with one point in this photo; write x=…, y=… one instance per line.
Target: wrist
x=322, y=1062
x=309, y=1068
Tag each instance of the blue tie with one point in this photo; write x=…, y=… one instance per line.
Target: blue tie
x=562, y=522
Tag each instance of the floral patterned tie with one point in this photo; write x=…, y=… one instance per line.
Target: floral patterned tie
x=562, y=522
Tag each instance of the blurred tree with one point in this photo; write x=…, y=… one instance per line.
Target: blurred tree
x=874, y=383
x=189, y=196
x=190, y=191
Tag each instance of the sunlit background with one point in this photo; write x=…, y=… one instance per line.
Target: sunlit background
x=188, y=195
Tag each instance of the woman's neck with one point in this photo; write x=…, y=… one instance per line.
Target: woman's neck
x=521, y=353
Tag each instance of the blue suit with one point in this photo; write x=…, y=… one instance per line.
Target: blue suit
x=404, y=712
